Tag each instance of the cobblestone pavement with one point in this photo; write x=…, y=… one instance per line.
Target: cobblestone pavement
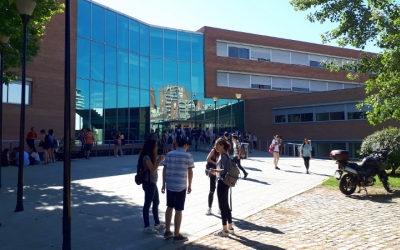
x=317, y=219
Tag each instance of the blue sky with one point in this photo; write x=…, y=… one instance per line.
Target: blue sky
x=275, y=18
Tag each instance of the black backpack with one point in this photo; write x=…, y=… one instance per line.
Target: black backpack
x=140, y=176
x=170, y=140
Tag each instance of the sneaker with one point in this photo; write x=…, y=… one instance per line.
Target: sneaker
x=231, y=231
x=221, y=233
x=245, y=175
x=180, y=238
x=208, y=211
x=150, y=230
x=277, y=168
x=159, y=226
x=168, y=235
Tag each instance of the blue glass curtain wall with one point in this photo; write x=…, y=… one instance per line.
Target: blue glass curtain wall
x=132, y=76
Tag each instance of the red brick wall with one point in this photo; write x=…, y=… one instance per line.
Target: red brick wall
x=260, y=119
x=214, y=63
x=47, y=90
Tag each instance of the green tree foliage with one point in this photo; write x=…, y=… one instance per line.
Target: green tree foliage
x=361, y=22
x=388, y=139
x=11, y=26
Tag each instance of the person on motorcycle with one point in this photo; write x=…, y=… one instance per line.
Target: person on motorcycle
x=305, y=152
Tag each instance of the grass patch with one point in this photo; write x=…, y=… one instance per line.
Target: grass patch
x=394, y=181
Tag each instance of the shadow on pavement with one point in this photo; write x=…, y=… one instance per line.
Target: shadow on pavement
x=380, y=197
x=253, y=169
x=254, y=244
x=254, y=180
x=246, y=225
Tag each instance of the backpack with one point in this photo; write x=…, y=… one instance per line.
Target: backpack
x=170, y=140
x=231, y=172
x=271, y=148
x=140, y=176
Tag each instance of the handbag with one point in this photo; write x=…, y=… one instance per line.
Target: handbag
x=271, y=148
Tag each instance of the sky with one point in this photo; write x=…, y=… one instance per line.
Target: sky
x=275, y=18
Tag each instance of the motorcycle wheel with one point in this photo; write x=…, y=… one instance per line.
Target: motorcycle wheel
x=385, y=182
x=347, y=184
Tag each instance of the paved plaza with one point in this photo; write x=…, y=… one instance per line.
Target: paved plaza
x=107, y=204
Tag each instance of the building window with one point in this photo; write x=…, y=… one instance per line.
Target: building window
x=12, y=93
x=235, y=52
x=305, y=117
x=316, y=64
x=330, y=116
x=280, y=119
x=255, y=86
x=356, y=115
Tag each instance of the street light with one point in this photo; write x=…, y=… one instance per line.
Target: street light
x=238, y=96
x=195, y=120
x=215, y=115
x=3, y=41
x=25, y=9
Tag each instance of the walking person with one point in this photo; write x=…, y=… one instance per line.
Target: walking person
x=81, y=138
x=222, y=146
x=276, y=143
x=52, y=142
x=255, y=142
x=31, y=137
x=305, y=152
x=45, y=144
x=212, y=163
x=117, y=143
x=237, y=149
x=89, y=140
x=177, y=180
x=122, y=140
x=148, y=158
x=164, y=142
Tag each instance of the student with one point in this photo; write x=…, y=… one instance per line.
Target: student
x=305, y=152
x=148, y=157
x=89, y=140
x=237, y=150
x=222, y=147
x=177, y=181
x=276, y=143
x=212, y=162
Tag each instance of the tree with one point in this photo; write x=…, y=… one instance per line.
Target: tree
x=361, y=22
x=11, y=26
x=388, y=139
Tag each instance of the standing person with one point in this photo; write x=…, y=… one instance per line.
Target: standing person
x=52, y=142
x=250, y=142
x=212, y=162
x=121, y=140
x=237, y=149
x=177, y=172
x=31, y=137
x=164, y=142
x=276, y=143
x=5, y=158
x=81, y=138
x=255, y=142
x=170, y=141
x=117, y=143
x=305, y=152
x=148, y=158
x=222, y=146
x=281, y=151
x=89, y=140
x=45, y=144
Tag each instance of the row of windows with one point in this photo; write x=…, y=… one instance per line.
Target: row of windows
x=281, y=56
x=235, y=80
x=337, y=112
x=12, y=93
x=106, y=26
x=101, y=62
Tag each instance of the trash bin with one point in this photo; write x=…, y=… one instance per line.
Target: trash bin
x=245, y=150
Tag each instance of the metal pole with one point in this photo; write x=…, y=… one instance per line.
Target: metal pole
x=66, y=227
x=1, y=103
x=215, y=117
x=238, y=116
x=20, y=207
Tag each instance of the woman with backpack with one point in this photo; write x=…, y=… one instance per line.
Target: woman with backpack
x=150, y=162
x=237, y=150
x=222, y=146
x=212, y=163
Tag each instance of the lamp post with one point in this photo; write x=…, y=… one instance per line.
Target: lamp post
x=195, y=120
x=25, y=9
x=66, y=225
x=215, y=116
x=238, y=96
x=3, y=41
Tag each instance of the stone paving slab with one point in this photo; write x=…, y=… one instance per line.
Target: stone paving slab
x=317, y=219
x=106, y=209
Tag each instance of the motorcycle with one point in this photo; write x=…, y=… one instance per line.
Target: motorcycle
x=350, y=174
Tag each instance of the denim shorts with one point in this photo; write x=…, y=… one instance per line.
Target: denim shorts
x=176, y=199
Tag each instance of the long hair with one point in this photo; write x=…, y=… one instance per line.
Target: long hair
x=223, y=142
x=150, y=149
x=50, y=131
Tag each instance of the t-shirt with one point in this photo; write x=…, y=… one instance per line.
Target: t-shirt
x=31, y=135
x=153, y=177
x=276, y=143
x=36, y=156
x=306, y=149
x=236, y=148
x=89, y=137
x=177, y=163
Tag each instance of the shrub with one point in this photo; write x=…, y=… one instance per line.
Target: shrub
x=389, y=139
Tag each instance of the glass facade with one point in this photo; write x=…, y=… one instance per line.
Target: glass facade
x=132, y=77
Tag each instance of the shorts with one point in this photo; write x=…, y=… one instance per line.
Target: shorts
x=176, y=199
x=88, y=147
